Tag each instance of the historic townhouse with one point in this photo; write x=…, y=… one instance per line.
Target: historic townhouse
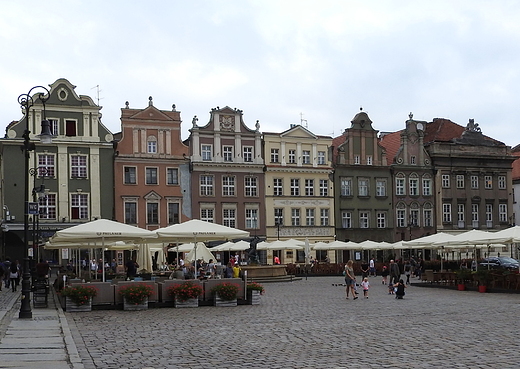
x=151, y=169
x=299, y=198
x=363, y=185
x=227, y=171
x=75, y=170
x=413, y=193
x=473, y=177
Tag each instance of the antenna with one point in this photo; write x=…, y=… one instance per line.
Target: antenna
x=303, y=120
x=97, y=92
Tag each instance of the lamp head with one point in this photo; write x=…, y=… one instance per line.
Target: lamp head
x=46, y=135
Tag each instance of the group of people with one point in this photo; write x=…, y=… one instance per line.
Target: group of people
x=391, y=276
x=10, y=272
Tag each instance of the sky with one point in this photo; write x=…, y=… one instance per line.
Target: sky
x=281, y=62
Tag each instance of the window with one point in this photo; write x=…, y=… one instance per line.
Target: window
x=131, y=212
x=248, y=154
x=206, y=185
x=381, y=219
x=251, y=218
x=446, y=213
x=346, y=186
x=401, y=216
x=414, y=216
x=206, y=152
x=414, y=185
x=152, y=213
x=172, y=176
x=309, y=217
x=324, y=217
x=427, y=186
x=78, y=166
x=362, y=187
x=364, y=219
x=277, y=187
x=47, y=206
x=460, y=181
x=228, y=186
x=227, y=153
x=70, y=128
x=399, y=186
x=412, y=160
x=488, y=182
x=292, y=156
x=346, y=219
x=55, y=127
x=206, y=215
x=295, y=187
x=321, y=157
x=356, y=159
x=309, y=187
x=151, y=176
x=278, y=216
x=306, y=157
x=474, y=182
x=79, y=206
x=474, y=215
x=445, y=179
x=460, y=215
x=45, y=165
x=130, y=175
x=324, y=187
x=274, y=155
x=173, y=213
x=502, y=182
x=428, y=216
x=502, y=213
x=380, y=187
x=151, y=145
x=295, y=217
x=250, y=186
x=369, y=160
x=229, y=217
x=489, y=215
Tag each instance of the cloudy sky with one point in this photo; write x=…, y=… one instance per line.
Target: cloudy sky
x=275, y=60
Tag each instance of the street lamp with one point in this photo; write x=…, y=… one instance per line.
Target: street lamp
x=26, y=103
x=278, y=223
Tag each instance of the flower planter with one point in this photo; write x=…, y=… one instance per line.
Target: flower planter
x=253, y=297
x=189, y=303
x=482, y=289
x=71, y=306
x=224, y=303
x=461, y=287
x=133, y=307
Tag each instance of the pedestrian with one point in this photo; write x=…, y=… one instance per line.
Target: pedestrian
x=276, y=260
x=350, y=279
x=236, y=271
x=366, y=285
x=14, y=275
x=384, y=274
x=399, y=292
x=131, y=269
x=407, y=271
x=372, y=266
x=2, y=273
x=7, y=267
x=395, y=272
x=364, y=269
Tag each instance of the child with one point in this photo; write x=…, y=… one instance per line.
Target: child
x=391, y=289
x=385, y=274
x=366, y=285
x=399, y=293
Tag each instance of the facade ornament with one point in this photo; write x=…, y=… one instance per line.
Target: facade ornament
x=257, y=125
x=194, y=121
x=472, y=126
x=127, y=105
x=150, y=101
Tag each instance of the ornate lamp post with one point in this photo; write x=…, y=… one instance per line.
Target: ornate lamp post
x=26, y=102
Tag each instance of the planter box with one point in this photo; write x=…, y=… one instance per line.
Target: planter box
x=253, y=297
x=133, y=307
x=73, y=307
x=482, y=289
x=220, y=302
x=461, y=287
x=190, y=303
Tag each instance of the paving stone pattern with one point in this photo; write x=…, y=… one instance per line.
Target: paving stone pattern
x=310, y=324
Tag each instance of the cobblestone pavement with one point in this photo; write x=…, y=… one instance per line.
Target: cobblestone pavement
x=310, y=324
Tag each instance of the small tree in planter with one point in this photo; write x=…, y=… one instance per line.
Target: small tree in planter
x=186, y=291
x=483, y=277
x=463, y=276
x=225, y=291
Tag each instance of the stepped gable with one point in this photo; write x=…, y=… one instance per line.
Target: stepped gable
x=391, y=142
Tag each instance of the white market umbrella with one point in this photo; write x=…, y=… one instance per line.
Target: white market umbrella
x=232, y=246
x=144, y=258
x=185, y=247
x=200, y=252
x=198, y=230
x=336, y=245
x=427, y=241
x=280, y=245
